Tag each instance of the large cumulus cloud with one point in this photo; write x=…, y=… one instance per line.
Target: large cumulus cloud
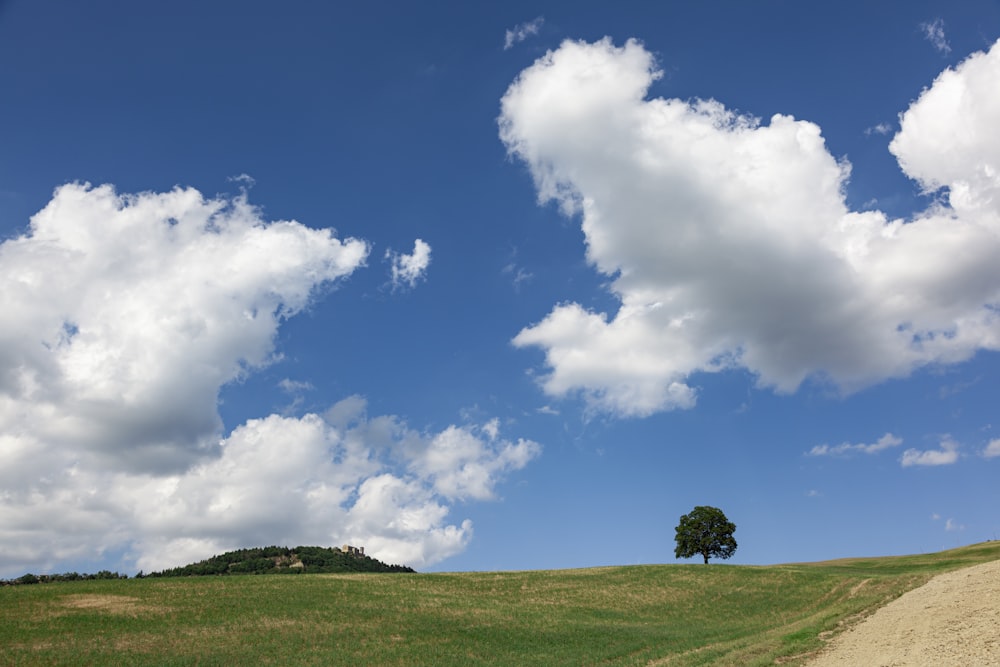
x=124, y=316
x=341, y=477
x=729, y=243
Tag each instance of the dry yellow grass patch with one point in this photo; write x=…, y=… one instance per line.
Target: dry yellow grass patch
x=123, y=605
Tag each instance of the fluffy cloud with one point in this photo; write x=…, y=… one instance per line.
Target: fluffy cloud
x=887, y=441
x=945, y=141
x=946, y=455
x=461, y=464
x=308, y=480
x=124, y=316
x=341, y=477
x=406, y=270
x=728, y=242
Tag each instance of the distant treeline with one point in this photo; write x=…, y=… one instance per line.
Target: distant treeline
x=53, y=578
x=281, y=560
x=262, y=560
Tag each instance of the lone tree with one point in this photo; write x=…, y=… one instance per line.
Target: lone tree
x=705, y=531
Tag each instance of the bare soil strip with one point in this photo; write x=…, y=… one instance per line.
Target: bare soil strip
x=952, y=621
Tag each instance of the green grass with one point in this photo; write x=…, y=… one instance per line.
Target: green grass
x=641, y=615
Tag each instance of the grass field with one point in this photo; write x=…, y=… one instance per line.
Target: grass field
x=638, y=615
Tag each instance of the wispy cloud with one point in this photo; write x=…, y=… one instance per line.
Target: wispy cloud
x=519, y=275
x=245, y=180
x=952, y=526
x=522, y=31
x=934, y=33
x=297, y=391
x=294, y=386
x=946, y=455
x=881, y=128
x=887, y=441
x=406, y=270
x=947, y=391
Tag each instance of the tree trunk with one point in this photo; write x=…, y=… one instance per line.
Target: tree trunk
x=706, y=558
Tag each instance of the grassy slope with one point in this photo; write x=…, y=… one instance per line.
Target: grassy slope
x=662, y=614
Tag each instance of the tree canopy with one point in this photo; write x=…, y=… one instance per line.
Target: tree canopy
x=706, y=531
x=282, y=560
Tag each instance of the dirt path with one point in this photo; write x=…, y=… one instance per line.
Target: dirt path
x=952, y=621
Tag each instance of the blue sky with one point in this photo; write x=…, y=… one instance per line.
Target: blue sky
x=496, y=286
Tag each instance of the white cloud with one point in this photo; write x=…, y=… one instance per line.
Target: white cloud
x=461, y=465
x=992, y=449
x=282, y=480
x=887, y=441
x=492, y=429
x=934, y=33
x=951, y=526
x=406, y=270
x=728, y=242
x=946, y=455
x=522, y=31
x=945, y=141
x=124, y=316
x=306, y=480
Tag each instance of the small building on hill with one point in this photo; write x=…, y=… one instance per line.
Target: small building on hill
x=353, y=551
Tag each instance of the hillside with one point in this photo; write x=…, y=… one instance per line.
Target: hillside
x=282, y=560
x=682, y=615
